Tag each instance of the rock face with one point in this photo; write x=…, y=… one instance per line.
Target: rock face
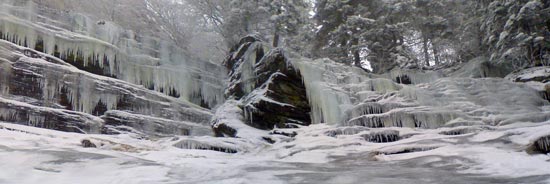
x=543, y=144
x=137, y=56
x=68, y=71
x=49, y=118
x=46, y=92
x=240, y=64
x=536, y=77
x=270, y=88
x=119, y=121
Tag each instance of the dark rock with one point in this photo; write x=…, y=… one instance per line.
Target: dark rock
x=403, y=79
x=281, y=99
x=41, y=117
x=383, y=136
x=88, y=144
x=543, y=145
x=271, y=89
x=32, y=74
x=223, y=130
x=404, y=150
x=288, y=134
x=269, y=140
x=237, y=61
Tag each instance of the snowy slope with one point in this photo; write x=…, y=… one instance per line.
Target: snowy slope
x=312, y=157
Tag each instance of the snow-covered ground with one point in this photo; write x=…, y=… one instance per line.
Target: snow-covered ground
x=366, y=128
x=493, y=155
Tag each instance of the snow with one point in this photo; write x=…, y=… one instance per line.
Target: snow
x=231, y=115
x=466, y=124
x=57, y=157
x=530, y=74
x=366, y=127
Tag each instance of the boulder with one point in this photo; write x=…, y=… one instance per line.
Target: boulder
x=270, y=88
x=280, y=100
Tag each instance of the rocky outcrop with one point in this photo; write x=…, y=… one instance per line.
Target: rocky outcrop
x=112, y=50
x=46, y=92
x=536, y=77
x=543, y=144
x=240, y=64
x=280, y=100
x=270, y=88
x=119, y=121
x=49, y=118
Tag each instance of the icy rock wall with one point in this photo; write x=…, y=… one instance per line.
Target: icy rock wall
x=43, y=117
x=344, y=95
x=110, y=50
x=206, y=143
x=42, y=81
x=116, y=120
x=240, y=64
x=334, y=88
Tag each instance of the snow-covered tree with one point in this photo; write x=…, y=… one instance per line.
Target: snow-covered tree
x=354, y=31
x=517, y=31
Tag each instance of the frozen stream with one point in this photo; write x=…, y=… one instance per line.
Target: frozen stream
x=32, y=155
x=72, y=166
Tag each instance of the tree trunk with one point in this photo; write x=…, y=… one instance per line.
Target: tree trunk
x=426, y=52
x=436, y=55
x=276, y=39
x=277, y=33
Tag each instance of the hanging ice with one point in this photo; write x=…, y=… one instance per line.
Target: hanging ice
x=111, y=50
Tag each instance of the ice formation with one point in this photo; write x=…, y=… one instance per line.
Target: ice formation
x=43, y=117
x=543, y=144
x=155, y=126
x=229, y=120
x=84, y=91
x=383, y=136
x=333, y=88
x=207, y=145
x=346, y=131
x=226, y=145
x=115, y=51
x=404, y=114
x=343, y=95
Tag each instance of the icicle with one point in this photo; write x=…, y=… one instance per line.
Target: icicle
x=36, y=120
x=345, y=131
x=7, y=114
x=406, y=117
x=543, y=144
x=204, y=145
x=5, y=72
x=149, y=62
